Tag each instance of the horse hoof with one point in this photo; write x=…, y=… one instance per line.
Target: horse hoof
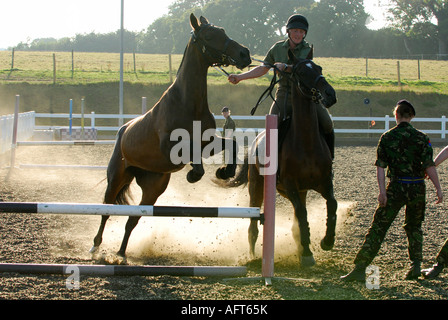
x=93, y=250
x=221, y=174
x=252, y=255
x=307, y=261
x=121, y=258
x=193, y=177
x=225, y=173
x=230, y=171
x=327, y=245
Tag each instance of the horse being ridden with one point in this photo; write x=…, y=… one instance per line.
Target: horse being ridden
x=304, y=158
x=143, y=147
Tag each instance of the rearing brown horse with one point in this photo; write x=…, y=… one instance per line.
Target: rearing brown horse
x=304, y=158
x=143, y=147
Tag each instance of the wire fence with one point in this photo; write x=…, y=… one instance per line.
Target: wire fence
x=93, y=67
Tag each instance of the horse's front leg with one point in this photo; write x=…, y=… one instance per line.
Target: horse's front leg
x=256, y=188
x=327, y=242
x=307, y=259
x=197, y=170
x=298, y=200
x=230, y=149
x=181, y=150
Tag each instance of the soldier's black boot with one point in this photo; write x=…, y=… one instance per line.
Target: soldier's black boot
x=433, y=272
x=414, y=271
x=357, y=274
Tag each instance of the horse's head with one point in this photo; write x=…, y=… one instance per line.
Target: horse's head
x=216, y=46
x=311, y=81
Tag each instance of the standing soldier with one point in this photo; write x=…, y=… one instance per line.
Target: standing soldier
x=229, y=125
x=442, y=256
x=408, y=155
x=228, y=129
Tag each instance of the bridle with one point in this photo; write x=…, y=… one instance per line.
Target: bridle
x=211, y=53
x=314, y=94
x=308, y=91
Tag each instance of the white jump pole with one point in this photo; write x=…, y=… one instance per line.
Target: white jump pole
x=128, y=210
x=144, y=108
x=70, y=119
x=66, y=143
x=116, y=270
x=14, y=132
x=269, y=198
x=60, y=166
x=82, y=118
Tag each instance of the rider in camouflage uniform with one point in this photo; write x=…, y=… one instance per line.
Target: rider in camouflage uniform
x=297, y=29
x=407, y=154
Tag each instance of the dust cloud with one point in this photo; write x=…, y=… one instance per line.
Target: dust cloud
x=164, y=240
x=219, y=241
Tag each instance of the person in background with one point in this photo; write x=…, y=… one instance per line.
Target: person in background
x=442, y=256
x=227, y=129
x=408, y=155
x=229, y=125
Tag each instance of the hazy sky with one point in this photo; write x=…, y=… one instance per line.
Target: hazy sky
x=26, y=20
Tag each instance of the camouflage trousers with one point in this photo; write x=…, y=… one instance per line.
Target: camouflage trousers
x=413, y=196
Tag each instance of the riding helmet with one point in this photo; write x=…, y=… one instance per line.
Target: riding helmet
x=297, y=21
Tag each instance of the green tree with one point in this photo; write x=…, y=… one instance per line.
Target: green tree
x=423, y=18
x=157, y=38
x=257, y=24
x=337, y=28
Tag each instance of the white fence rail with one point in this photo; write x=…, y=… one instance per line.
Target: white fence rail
x=387, y=122
x=27, y=123
x=25, y=129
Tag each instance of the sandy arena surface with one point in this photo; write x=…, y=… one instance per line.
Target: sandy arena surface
x=63, y=239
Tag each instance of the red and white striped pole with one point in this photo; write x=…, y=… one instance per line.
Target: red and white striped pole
x=270, y=173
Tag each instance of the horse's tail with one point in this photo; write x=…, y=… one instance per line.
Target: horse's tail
x=124, y=195
x=114, y=169
x=242, y=177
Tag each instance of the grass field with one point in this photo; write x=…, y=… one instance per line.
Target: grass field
x=96, y=79
x=344, y=73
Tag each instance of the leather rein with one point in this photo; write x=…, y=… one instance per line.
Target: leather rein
x=314, y=94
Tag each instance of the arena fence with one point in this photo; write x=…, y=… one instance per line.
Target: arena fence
x=18, y=128
x=359, y=125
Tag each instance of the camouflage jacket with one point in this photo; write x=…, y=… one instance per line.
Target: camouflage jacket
x=279, y=53
x=405, y=151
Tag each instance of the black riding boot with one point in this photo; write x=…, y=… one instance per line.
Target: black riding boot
x=433, y=272
x=414, y=271
x=329, y=139
x=357, y=274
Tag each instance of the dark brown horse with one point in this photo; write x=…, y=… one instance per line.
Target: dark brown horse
x=143, y=149
x=304, y=158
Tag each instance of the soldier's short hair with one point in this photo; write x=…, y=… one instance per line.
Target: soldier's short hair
x=404, y=109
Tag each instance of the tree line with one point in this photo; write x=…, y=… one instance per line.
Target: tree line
x=337, y=28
